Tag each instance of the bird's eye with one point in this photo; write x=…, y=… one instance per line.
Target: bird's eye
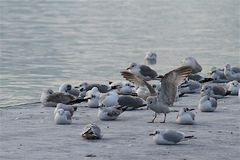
x=150, y=102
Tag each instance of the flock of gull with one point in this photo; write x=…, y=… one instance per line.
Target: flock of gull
x=144, y=87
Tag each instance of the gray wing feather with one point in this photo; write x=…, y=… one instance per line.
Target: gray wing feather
x=170, y=82
x=147, y=71
x=236, y=69
x=219, y=90
x=101, y=87
x=112, y=112
x=130, y=101
x=60, y=98
x=138, y=81
x=173, y=136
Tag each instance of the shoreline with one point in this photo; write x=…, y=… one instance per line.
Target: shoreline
x=29, y=132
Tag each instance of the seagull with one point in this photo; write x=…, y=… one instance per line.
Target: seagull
x=169, y=137
x=150, y=58
x=93, y=97
x=109, y=99
x=185, y=116
x=233, y=87
x=190, y=61
x=207, y=104
x=51, y=99
x=101, y=87
x=110, y=113
x=217, y=74
x=169, y=83
x=82, y=91
x=67, y=88
x=157, y=87
x=131, y=102
x=215, y=91
x=93, y=91
x=143, y=92
x=62, y=117
x=122, y=88
x=232, y=74
x=190, y=86
x=143, y=71
x=91, y=131
x=65, y=107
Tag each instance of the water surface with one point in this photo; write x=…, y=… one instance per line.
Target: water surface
x=47, y=42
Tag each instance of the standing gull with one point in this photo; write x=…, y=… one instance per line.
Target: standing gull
x=143, y=71
x=169, y=84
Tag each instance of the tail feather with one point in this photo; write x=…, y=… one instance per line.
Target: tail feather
x=189, y=137
x=228, y=93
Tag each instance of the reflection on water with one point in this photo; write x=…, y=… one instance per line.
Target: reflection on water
x=45, y=43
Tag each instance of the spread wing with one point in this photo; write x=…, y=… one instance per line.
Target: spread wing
x=170, y=82
x=138, y=81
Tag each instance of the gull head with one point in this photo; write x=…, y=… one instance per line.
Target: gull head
x=60, y=111
x=235, y=83
x=48, y=92
x=132, y=66
x=151, y=101
x=155, y=133
x=151, y=55
x=65, y=87
x=206, y=90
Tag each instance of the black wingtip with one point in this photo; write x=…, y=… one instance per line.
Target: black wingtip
x=206, y=80
x=79, y=100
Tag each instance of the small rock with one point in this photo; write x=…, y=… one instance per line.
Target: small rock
x=90, y=155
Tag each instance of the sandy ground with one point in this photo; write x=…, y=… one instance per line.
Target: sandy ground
x=28, y=132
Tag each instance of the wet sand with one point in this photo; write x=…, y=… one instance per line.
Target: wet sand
x=28, y=132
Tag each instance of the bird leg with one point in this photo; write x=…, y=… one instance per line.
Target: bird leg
x=164, y=118
x=153, y=118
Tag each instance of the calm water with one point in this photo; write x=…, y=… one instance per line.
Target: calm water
x=47, y=42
